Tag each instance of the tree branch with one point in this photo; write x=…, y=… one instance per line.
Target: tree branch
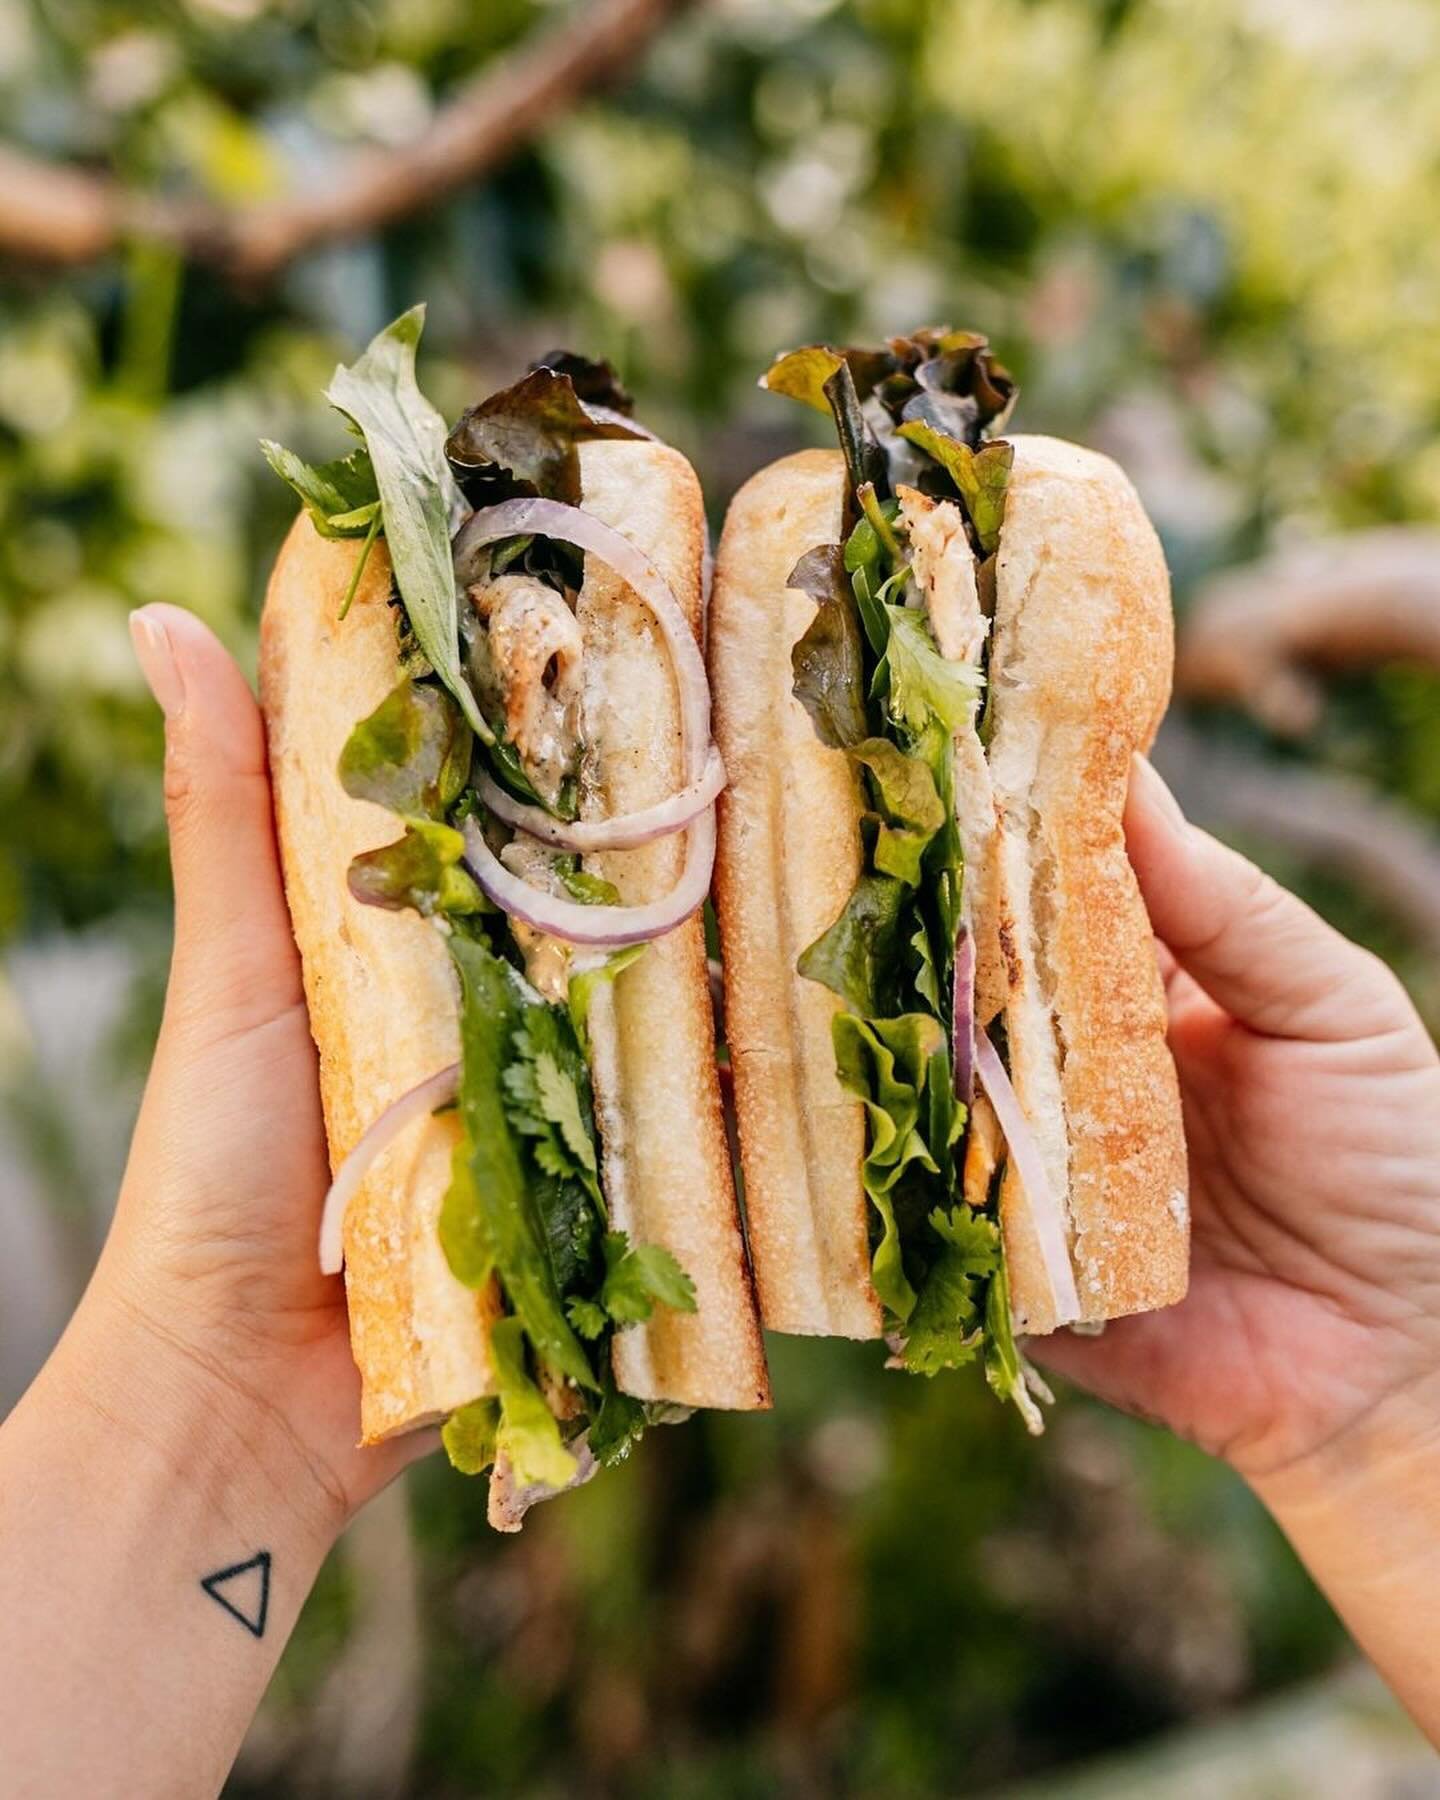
x=1255, y=636
x=62, y=215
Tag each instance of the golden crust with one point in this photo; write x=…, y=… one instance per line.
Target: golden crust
x=379, y=985
x=666, y=1168
x=788, y=858
x=1081, y=667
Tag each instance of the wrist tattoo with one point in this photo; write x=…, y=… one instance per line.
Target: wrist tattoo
x=243, y=1590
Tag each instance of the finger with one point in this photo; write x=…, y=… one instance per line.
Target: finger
x=235, y=964
x=1259, y=952
x=1141, y=1365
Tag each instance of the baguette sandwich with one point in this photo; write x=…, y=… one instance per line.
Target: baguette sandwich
x=933, y=653
x=489, y=732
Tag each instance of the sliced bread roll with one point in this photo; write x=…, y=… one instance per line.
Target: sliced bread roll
x=1079, y=665
x=384, y=1003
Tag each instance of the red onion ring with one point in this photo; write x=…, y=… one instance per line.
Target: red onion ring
x=426, y=1097
x=622, y=832
x=1029, y=1165
x=605, y=926
x=552, y=518
x=962, y=1015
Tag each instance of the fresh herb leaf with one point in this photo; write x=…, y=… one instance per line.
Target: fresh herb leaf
x=828, y=659
x=947, y=1326
x=1005, y=1369
x=618, y=1425
x=982, y=477
x=919, y=682
x=490, y=1221
x=528, y=1435
x=637, y=1279
x=864, y=459
x=340, y=496
x=943, y=380
x=424, y=870
x=548, y=1098
x=640, y=1277
x=588, y=1317
x=911, y=811
x=859, y=956
x=530, y=432
x=584, y=982
x=591, y=890
x=405, y=437
x=469, y=1436
x=411, y=754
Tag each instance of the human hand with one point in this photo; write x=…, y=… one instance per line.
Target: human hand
x=1312, y=1111
x=210, y=1274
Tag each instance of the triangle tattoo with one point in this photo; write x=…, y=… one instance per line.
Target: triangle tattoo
x=248, y=1599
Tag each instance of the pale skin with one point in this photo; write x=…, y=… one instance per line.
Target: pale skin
x=202, y=1405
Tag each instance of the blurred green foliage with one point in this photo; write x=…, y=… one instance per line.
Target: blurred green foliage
x=1199, y=234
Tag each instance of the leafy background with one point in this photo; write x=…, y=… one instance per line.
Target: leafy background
x=1200, y=236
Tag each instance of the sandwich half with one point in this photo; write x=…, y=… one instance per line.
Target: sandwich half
x=933, y=654
x=494, y=783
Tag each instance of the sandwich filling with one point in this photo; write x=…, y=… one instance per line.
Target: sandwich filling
x=892, y=670
x=480, y=752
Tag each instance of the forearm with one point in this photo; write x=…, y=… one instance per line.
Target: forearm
x=1365, y=1518
x=127, y=1477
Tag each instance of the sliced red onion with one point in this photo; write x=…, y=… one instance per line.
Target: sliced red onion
x=962, y=1015
x=622, y=832
x=1045, y=1211
x=426, y=1097
x=553, y=519
x=607, y=926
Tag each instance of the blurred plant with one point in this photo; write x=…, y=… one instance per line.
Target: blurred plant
x=1192, y=231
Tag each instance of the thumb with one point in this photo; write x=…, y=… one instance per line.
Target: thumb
x=1256, y=949
x=235, y=964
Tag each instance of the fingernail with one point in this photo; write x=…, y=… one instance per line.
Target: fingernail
x=154, y=653
x=1147, y=781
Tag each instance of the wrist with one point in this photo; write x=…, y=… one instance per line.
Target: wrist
x=196, y=1417
x=1363, y=1513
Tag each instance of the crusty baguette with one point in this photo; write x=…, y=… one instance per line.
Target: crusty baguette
x=383, y=1000
x=666, y=1161
x=1081, y=663
x=789, y=855
x=1080, y=666
x=380, y=987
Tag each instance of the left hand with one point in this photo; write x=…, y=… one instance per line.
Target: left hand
x=211, y=1264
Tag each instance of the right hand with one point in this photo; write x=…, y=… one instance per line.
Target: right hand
x=1312, y=1110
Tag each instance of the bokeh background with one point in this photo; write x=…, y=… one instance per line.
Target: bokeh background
x=1205, y=238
